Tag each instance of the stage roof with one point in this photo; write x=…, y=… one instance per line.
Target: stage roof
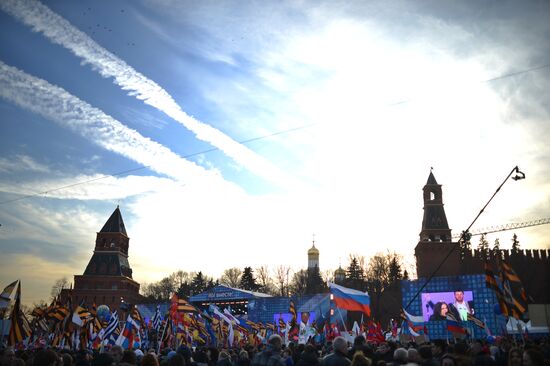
x=226, y=293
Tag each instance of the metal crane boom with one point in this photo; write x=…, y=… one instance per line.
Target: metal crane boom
x=505, y=227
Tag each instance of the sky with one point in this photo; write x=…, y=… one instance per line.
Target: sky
x=231, y=132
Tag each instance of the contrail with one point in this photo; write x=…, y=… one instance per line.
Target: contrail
x=60, y=31
x=54, y=103
x=99, y=188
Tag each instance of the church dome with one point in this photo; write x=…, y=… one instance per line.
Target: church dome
x=339, y=272
x=313, y=250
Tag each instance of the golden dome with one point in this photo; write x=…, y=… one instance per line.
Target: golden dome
x=313, y=250
x=339, y=272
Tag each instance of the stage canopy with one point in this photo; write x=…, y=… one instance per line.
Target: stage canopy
x=223, y=293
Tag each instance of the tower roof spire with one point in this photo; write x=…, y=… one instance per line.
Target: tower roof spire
x=114, y=224
x=434, y=223
x=431, y=178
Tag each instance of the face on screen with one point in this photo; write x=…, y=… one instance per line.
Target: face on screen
x=436, y=305
x=443, y=311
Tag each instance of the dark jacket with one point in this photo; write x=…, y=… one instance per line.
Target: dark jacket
x=453, y=310
x=336, y=358
x=308, y=359
x=268, y=357
x=224, y=362
x=243, y=362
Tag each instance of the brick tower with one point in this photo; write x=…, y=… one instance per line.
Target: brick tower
x=108, y=276
x=435, y=236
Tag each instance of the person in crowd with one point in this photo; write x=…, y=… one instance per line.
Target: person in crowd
x=309, y=357
x=212, y=356
x=413, y=356
x=515, y=357
x=8, y=356
x=233, y=356
x=440, y=311
x=200, y=357
x=67, y=359
x=18, y=362
x=128, y=358
x=359, y=345
x=359, y=359
x=224, y=359
x=400, y=357
x=297, y=352
x=287, y=357
x=49, y=358
x=384, y=352
x=176, y=360
x=139, y=356
x=494, y=352
x=480, y=355
x=271, y=355
x=185, y=352
x=82, y=358
x=448, y=360
x=439, y=348
x=243, y=359
x=339, y=356
x=103, y=359
x=533, y=357
x=116, y=353
x=426, y=356
x=150, y=359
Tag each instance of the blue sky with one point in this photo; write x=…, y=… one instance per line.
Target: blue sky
x=387, y=90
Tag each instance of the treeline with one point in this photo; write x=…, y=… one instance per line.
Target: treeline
x=380, y=272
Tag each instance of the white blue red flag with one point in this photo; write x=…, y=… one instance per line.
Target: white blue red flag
x=414, y=324
x=350, y=299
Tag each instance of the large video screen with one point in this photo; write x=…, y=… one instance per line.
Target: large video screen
x=307, y=318
x=436, y=305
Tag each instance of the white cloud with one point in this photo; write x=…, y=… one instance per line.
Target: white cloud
x=60, y=31
x=21, y=163
x=52, y=102
x=367, y=161
x=97, y=187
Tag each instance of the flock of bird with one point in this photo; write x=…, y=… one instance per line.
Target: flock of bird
x=98, y=27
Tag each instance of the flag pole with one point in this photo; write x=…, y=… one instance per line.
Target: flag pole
x=162, y=336
x=344, y=323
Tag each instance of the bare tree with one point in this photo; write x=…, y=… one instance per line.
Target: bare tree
x=298, y=285
x=262, y=276
x=384, y=271
x=378, y=271
x=264, y=280
x=361, y=261
x=327, y=275
x=59, y=285
x=179, y=278
x=231, y=277
x=282, y=279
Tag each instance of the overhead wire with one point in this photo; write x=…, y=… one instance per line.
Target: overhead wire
x=127, y=171
x=294, y=129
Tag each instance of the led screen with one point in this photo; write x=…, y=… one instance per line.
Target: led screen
x=436, y=305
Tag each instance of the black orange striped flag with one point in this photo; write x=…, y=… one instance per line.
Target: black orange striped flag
x=19, y=328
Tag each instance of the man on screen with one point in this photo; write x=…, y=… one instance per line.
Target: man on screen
x=460, y=308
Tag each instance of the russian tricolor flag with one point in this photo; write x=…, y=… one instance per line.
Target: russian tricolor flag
x=350, y=299
x=414, y=324
x=454, y=327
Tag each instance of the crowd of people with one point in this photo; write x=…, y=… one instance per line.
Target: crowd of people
x=504, y=352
